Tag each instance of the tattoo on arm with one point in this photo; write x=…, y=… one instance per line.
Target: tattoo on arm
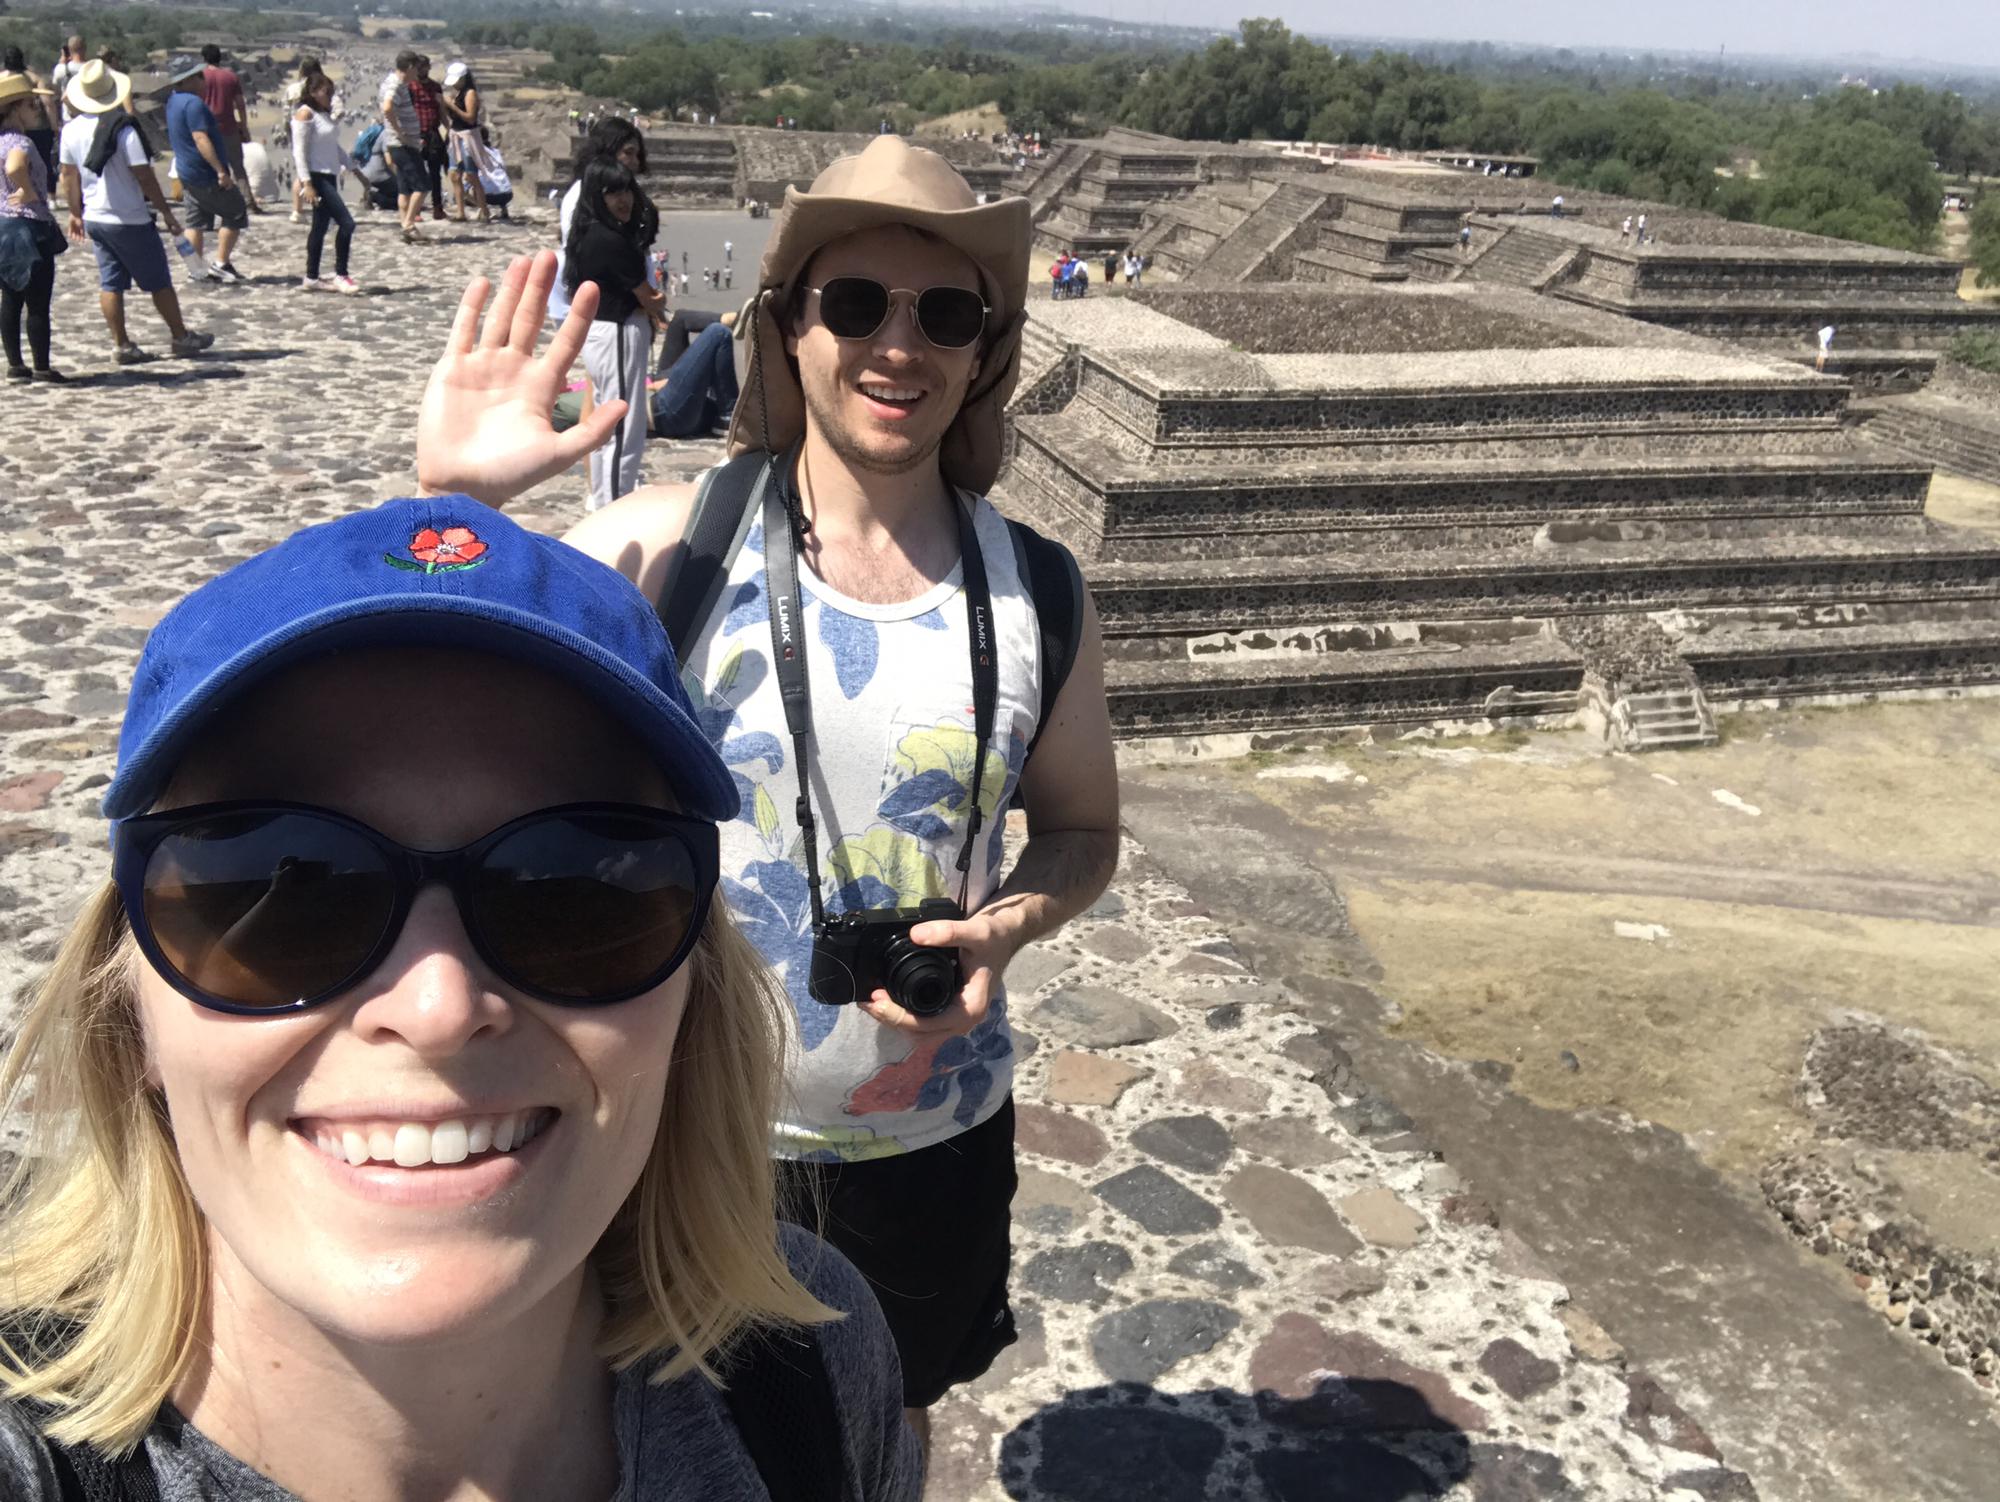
x=1059, y=874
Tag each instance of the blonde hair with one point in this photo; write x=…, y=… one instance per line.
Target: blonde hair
x=103, y=1253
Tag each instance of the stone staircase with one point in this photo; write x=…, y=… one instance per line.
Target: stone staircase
x=1058, y=176
x=1520, y=257
x=1247, y=251
x=1292, y=541
x=1951, y=435
x=1668, y=715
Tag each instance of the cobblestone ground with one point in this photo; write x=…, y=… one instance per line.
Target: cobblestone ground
x=1239, y=1274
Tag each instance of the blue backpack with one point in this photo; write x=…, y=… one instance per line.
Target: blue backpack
x=364, y=144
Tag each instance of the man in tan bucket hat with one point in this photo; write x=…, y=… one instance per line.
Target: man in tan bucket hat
x=878, y=354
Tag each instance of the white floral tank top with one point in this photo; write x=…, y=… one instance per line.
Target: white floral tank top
x=890, y=770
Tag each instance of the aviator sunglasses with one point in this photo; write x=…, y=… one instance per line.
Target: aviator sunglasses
x=265, y=908
x=855, y=307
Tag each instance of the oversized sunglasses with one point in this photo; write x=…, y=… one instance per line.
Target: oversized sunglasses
x=264, y=908
x=855, y=307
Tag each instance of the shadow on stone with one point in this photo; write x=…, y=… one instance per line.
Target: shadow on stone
x=1129, y=1440
x=181, y=373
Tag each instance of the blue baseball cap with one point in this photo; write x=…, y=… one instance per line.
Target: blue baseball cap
x=444, y=571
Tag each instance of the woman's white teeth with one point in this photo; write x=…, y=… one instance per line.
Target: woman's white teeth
x=412, y=1144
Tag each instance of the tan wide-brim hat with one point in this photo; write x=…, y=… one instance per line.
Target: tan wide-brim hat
x=98, y=89
x=15, y=86
x=890, y=182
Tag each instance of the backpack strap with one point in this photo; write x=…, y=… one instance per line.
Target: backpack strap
x=1056, y=583
x=726, y=502
x=84, y=1474
x=782, y=1400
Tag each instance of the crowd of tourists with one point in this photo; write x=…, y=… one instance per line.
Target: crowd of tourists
x=1069, y=276
x=80, y=170
x=342, y=1094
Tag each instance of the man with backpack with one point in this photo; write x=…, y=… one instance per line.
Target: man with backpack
x=886, y=663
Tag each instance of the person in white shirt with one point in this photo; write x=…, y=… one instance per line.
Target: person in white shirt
x=318, y=159
x=108, y=187
x=73, y=58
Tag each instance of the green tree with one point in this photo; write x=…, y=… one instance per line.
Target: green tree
x=1985, y=248
x=1855, y=179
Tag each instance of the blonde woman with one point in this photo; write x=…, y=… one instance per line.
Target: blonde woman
x=401, y=1103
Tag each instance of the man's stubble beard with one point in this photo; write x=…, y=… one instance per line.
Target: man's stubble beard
x=825, y=417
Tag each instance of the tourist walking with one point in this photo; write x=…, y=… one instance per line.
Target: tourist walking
x=604, y=248
x=402, y=142
x=317, y=160
x=1625, y=230
x=108, y=183
x=470, y=159
x=1642, y=229
x=1111, y=263
x=29, y=239
x=42, y=124
x=1825, y=346
x=222, y=92
x=293, y=96
x=728, y=251
x=207, y=187
x=880, y=360
x=428, y=97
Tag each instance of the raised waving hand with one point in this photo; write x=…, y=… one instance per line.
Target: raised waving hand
x=485, y=424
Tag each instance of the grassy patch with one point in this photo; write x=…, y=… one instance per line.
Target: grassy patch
x=1980, y=351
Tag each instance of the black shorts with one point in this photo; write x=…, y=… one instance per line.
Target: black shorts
x=208, y=202
x=929, y=1230
x=412, y=181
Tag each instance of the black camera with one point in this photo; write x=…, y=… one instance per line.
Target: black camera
x=853, y=953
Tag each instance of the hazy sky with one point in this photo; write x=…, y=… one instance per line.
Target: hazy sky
x=1966, y=31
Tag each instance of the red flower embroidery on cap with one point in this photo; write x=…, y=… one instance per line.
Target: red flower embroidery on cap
x=440, y=552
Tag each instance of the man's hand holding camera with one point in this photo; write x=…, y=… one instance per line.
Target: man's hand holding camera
x=986, y=943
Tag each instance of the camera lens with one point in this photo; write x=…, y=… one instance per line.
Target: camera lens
x=920, y=980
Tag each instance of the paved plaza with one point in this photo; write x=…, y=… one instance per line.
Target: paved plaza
x=1242, y=1269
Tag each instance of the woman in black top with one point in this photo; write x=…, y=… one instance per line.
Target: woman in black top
x=605, y=247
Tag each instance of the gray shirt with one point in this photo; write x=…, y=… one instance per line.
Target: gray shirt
x=676, y=1443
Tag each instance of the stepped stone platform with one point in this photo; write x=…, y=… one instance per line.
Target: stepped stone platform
x=1894, y=312
x=1954, y=422
x=698, y=166
x=1350, y=225
x=1302, y=507
x=1095, y=195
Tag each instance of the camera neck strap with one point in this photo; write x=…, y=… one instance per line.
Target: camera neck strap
x=784, y=522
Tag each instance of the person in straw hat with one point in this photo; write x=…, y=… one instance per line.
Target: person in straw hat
x=879, y=351
x=108, y=184
x=29, y=239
